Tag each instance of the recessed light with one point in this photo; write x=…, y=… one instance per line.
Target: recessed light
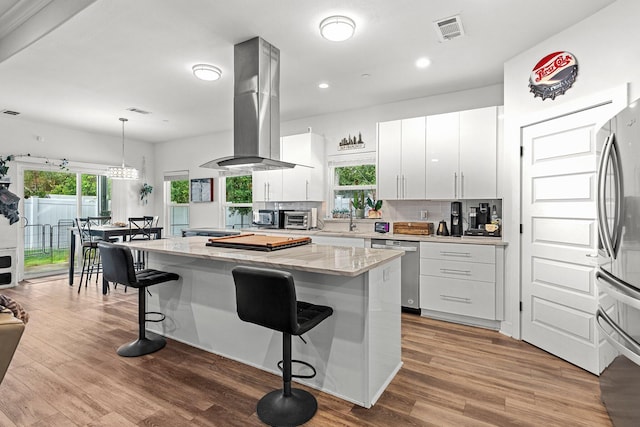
x=323, y=85
x=206, y=72
x=423, y=62
x=365, y=75
x=337, y=28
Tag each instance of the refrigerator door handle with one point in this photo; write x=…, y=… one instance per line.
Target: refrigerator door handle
x=618, y=289
x=619, y=200
x=630, y=349
x=603, y=226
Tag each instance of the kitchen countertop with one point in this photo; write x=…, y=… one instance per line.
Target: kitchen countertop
x=475, y=240
x=325, y=259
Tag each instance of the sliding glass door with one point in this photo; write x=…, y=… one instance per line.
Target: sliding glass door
x=52, y=200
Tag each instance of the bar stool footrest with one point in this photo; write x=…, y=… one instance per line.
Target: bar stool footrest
x=308, y=365
x=276, y=409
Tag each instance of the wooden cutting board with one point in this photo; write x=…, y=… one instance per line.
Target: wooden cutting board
x=415, y=227
x=258, y=242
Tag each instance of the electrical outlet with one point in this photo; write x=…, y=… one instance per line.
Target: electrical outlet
x=424, y=214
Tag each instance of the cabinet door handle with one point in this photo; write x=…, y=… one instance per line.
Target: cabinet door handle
x=265, y=191
x=455, y=185
x=458, y=272
x=404, y=187
x=455, y=299
x=461, y=185
x=456, y=254
x=306, y=189
x=398, y=186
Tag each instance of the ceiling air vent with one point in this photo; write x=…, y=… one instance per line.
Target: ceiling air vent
x=137, y=110
x=9, y=112
x=449, y=28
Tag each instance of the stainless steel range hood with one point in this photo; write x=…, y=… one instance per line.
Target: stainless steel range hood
x=256, y=109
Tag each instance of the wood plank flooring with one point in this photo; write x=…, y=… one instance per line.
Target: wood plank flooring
x=66, y=373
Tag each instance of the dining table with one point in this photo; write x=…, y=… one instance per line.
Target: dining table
x=105, y=232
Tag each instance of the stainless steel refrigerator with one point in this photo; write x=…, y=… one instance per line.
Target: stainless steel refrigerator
x=618, y=274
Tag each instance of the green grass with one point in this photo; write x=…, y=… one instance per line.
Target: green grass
x=58, y=256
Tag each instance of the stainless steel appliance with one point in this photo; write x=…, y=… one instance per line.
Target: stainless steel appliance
x=267, y=218
x=618, y=274
x=410, y=270
x=297, y=220
x=456, y=219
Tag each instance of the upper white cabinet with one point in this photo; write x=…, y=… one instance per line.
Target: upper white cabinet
x=444, y=156
x=305, y=181
x=478, y=153
x=267, y=186
x=461, y=154
x=301, y=183
x=401, y=159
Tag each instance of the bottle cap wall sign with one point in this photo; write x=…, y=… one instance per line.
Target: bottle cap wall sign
x=553, y=75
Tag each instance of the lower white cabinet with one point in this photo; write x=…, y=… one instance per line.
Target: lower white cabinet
x=462, y=280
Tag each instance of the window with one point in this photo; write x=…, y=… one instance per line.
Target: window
x=351, y=181
x=176, y=188
x=238, y=201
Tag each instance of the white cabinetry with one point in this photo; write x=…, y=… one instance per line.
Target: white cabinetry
x=301, y=183
x=461, y=154
x=305, y=181
x=267, y=186
x=463, y=280
x=401, y=159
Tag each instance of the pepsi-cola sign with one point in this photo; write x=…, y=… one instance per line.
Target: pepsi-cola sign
x=553, y=75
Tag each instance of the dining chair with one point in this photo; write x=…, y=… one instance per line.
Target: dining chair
x=89, y=245
x=140, y=229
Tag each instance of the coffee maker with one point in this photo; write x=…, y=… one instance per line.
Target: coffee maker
x=456, y=219
x=484, y=215
x=479, y=217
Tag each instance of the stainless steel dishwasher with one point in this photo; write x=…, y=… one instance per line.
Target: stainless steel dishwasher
x=410, y=270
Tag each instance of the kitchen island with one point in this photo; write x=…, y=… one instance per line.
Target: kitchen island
x=356, y=352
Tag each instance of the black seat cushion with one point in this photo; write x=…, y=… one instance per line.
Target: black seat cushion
x=118, y=267
x=267, y=298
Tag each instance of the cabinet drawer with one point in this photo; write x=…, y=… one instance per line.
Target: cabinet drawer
x=458, y=270
x=455, y=296
x=459, y=252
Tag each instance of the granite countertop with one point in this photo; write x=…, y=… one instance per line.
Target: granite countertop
x=475, y=240
x=324, y=259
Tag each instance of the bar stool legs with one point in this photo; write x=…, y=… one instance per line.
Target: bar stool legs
x=287, y=406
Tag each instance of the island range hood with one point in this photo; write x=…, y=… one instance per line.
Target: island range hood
x=256, y=109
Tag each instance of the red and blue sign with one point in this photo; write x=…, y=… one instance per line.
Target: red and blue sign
x=553, y=75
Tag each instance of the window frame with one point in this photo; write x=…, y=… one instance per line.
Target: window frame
x=224, y=204
x=333, y=187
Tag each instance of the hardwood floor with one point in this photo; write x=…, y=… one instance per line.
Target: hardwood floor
x=66, y=373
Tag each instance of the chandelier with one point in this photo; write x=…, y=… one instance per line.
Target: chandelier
x=122, y=172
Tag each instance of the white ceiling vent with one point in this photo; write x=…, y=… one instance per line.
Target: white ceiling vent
x=449, y=28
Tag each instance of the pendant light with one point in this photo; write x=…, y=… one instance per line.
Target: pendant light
x=122, y=172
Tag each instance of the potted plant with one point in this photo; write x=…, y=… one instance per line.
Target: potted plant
x=4, y=169
x=358, y=204
x=374, y=207
x=145, y=190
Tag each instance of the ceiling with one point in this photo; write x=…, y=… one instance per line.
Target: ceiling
x=117, y=54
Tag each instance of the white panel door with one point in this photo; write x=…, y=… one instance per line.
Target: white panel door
x=478, y=142
x=389, y=160
x=443, y=132
x=413, y=158
x=559, y=294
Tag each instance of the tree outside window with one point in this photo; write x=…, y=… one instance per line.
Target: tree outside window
x=239, y=198
x=352, y=183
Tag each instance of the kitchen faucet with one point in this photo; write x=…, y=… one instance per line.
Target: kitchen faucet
x=352, y=226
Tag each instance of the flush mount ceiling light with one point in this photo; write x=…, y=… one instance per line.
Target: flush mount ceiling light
x=423, y=62
x=323, y=85
x=337, y=28
x=122, y=172
x=206, y=72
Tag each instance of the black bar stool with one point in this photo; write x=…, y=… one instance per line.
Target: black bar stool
x=268, y=298
x=117, y=266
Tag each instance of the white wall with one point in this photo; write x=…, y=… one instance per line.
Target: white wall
x=607, y=54
x=19, y=136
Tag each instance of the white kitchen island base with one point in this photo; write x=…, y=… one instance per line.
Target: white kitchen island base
x=356, y=351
